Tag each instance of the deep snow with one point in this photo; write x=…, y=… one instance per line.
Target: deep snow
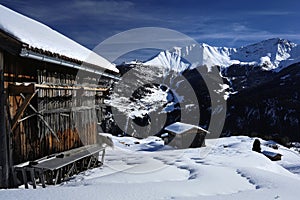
x=146, y=169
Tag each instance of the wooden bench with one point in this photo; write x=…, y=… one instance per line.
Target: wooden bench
x=56, y=168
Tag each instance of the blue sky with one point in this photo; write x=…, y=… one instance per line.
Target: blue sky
x=231, y=23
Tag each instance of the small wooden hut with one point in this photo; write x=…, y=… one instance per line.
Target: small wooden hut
x=52, y=93
x=182, y=135
x=272, y=155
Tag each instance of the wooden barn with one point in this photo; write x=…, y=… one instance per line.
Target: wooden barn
x=52, y=98
x=182, y=135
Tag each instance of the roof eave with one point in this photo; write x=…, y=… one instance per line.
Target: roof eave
x=41, y=57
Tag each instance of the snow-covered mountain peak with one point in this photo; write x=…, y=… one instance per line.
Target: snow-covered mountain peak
x=170, y=61
x=275, y=44
x=272, y=54
x=268, y=53
x=183, y=51
x=212, y=56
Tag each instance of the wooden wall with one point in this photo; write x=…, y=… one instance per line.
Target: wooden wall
x=69, y=113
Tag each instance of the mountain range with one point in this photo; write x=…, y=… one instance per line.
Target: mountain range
x=260, y=83
x=272, y=54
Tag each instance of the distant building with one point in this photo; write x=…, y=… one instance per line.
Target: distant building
x=182, y=135
x=272, y=155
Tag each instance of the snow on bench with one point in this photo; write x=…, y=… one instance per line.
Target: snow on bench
x=56, y=168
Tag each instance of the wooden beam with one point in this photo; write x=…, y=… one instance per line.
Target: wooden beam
x=67, y=110
x=27, y=117
x=30, y=87
x=22, y=88
x=41, y=118
x=21, y=110
x=61, y=87
x=4, y=161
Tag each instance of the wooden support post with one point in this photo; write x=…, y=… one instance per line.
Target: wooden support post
x=21, y=110
x=4, y=161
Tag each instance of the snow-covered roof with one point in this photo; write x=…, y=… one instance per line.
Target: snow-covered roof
x=270, y=154
x=179, y=127
x=38, y=35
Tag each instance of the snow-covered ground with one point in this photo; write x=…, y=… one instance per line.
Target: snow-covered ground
x=146, y=169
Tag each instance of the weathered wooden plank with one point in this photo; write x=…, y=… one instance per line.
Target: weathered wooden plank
x=66, y=87
x=15, y=89
x=69, y=158
x=25, y=118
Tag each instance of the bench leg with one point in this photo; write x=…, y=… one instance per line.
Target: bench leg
x=75, y=168
x=71, y=171
x=58, y=177
x=49, y=177
x=90, y=161
x=24, y=175
x=14, y=174
x=42, y=177
x=82, y=164
x=32, y=176
x=102, y=157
